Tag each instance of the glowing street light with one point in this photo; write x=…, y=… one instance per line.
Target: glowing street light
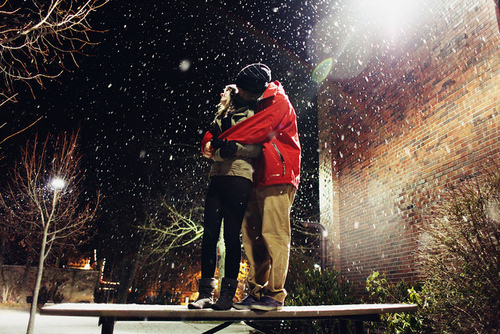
x=57, y=183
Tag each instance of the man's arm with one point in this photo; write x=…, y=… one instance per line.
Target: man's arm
x=206, y=145
x=261, y=126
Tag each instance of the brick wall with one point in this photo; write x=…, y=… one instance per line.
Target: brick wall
x=420, y=116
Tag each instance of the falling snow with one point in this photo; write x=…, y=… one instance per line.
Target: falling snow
x=144, y=95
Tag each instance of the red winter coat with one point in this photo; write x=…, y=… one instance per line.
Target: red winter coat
x=275, y=127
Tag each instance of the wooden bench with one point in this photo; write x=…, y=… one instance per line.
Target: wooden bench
x=110, y=313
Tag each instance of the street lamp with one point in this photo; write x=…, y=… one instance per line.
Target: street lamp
x=323, y=233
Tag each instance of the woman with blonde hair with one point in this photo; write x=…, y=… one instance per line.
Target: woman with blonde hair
x=231, y=178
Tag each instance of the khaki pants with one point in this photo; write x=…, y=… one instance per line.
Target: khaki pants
x=266, y=238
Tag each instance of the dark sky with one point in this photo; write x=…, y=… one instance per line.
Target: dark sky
x=140, y=111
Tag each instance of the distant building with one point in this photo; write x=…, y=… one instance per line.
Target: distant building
x=58, y=285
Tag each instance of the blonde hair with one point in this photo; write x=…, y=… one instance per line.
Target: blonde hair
x=222, y=109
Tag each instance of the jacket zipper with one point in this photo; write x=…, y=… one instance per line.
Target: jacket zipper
x=281, y=157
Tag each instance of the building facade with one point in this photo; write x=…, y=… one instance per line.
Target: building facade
x=420, y=114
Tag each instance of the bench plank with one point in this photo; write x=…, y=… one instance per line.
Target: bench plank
x=182, y=313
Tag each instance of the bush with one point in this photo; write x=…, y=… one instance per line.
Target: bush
x=45, y=295
x=461, y=258
x=313, y=288
x=380, y=291
x=316, y=287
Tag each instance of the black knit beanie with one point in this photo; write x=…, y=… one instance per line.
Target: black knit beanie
x=254, y=78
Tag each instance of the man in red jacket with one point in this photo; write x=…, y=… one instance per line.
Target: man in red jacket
x=266, y=231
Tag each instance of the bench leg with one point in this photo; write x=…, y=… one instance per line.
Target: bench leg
x=108, y=325
x=219, y=328
x=343, y=326
x=358, y=327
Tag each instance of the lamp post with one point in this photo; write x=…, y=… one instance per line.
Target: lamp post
x=57, y=184
x=323, y=233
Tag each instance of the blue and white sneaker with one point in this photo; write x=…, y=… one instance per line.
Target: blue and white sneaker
x=266, y=304
x=246, y=303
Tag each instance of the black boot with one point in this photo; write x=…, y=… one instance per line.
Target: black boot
x=227, y=291
x=206, y=288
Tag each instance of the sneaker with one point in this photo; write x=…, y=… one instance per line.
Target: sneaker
x=266, y=304
x=246, y=303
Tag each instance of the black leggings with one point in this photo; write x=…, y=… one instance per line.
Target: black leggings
x=227, y=199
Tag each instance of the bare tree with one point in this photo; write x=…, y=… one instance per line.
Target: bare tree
x=39, y=39
x=172, y=227
x=175, y=226
x=43, y=200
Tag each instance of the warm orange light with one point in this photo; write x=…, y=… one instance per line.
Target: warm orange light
x=83, y=263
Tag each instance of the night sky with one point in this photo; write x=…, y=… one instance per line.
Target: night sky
x=143, y=97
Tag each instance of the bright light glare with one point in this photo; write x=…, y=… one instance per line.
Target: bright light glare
x=57, y=183
x=391, y=15
x=342, y=43
x=386, y=9
x=351, y=33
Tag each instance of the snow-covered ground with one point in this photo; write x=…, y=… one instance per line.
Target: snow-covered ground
x=15, y=321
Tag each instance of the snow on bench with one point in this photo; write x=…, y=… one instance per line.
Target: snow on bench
x=110, y=313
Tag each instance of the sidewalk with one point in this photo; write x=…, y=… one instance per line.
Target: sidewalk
x=15, y=321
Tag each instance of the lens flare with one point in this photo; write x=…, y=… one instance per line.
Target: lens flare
x=185, y=65
x=321, y=71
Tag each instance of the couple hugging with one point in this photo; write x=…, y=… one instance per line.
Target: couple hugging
x=254, y=144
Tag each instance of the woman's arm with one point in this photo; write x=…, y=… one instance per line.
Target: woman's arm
x=248, y=151
x=243, y=151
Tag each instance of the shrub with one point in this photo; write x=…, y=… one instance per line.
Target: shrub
x=380, y=291
x=52, y=295
x=316, y=287
x=313, y=288
x=461, y=258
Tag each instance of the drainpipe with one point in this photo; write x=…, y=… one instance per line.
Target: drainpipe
x=322, y=235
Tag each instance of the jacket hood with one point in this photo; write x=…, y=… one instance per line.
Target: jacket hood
x=273, y=89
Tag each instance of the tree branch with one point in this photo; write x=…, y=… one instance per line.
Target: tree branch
x=36, y=37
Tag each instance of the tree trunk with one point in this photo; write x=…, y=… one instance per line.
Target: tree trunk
x=2, y=255
x=127, y=276
x=38, y=283
x=127, y=279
